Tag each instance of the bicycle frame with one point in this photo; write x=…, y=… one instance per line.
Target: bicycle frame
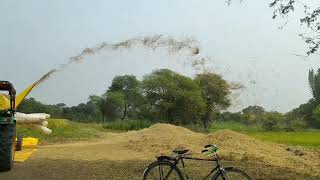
x=182, y=157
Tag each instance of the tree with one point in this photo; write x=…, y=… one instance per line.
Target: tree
x=253, y=114
x=273, y=121
x=173, y=97
x=129, y=87
x=314, y=83
x=310, y=19
x=113, y=104
x=109, y=104
x=316, y=116
x=214, y=91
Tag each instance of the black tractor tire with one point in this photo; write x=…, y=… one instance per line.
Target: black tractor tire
x=19, y=142
x=7, y=145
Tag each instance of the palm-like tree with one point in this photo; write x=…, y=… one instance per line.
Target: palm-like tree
x=314, y=82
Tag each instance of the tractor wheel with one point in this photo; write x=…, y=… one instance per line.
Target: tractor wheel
x=19, y=142
x=7, y=145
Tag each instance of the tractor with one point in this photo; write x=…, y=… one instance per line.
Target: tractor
x=7, y=128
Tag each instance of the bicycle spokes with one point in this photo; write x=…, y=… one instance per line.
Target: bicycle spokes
x=232, y=175
x=163, y=172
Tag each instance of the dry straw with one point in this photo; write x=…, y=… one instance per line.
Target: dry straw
x=163, y=138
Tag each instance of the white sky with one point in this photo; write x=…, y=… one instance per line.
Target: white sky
x=246, y=45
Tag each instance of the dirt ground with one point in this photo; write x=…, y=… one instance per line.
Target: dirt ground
x=125, y=155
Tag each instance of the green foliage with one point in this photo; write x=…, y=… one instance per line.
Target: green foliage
x=214, y=91
x=234, y=126
x=128, y=125
x=33, y=106
x=306, y=112
x=273, y=121
x=296, y=124
x=58, y=123
x=253, y=114
x=231, y=116
x=316, y=115
x=196, y=127
x=314, y=83
x=113, y=104
x=310, y=139
x=163, y=95
x=172, y=97
x=84, y=111
x=129, y=87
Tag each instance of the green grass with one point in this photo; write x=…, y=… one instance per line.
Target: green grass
x=309, y=139
x=127, y=125
x=68, y=131
x=234, y=126
x=65, y=131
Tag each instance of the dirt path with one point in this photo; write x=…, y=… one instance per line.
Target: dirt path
x=102, y=159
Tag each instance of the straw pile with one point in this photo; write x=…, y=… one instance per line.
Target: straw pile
x=163, y=138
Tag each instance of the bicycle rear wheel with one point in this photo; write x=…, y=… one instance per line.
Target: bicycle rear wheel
x=231, y=174
x=162, y=170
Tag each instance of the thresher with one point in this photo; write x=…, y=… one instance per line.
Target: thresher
x=9, y=102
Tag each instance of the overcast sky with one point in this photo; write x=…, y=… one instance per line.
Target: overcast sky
x=246, y=46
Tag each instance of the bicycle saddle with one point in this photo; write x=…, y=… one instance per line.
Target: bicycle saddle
x=180, y=151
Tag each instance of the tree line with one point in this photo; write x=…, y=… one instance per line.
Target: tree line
x=161, y=96
x=169, y=97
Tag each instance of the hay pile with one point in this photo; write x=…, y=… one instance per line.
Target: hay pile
x=163, y=138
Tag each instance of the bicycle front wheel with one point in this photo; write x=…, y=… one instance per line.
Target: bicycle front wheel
x=162, y=170
x=231, y=173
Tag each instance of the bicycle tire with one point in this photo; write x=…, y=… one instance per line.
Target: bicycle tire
x=232, y=174
x=173, y=173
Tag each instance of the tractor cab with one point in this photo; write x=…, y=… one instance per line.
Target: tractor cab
x=7, y=99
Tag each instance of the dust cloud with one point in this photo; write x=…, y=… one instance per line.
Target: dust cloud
x=170, y=44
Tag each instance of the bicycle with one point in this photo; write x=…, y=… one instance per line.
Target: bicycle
x=166, y=167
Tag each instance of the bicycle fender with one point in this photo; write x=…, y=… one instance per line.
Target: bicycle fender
x=215, y=176
x=151, y=164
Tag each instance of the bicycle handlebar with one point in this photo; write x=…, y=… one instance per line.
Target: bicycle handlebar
x=205, y=150
x=213, y=149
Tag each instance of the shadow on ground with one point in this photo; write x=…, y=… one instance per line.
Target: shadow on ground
x=46, y=169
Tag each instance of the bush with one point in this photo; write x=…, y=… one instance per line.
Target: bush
x=197, y=128
x=127, y=125
x=294, y=124
x=273, y=121
x=316, y=116
x=57, y=123
x=234, y=126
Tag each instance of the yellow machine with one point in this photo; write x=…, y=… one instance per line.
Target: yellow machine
x=5, y=100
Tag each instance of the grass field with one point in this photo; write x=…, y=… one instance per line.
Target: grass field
x=127, y=125
x=309, y=139
x=65, y=131
x=306, y=138
x=234, y=126
x=68, y=131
